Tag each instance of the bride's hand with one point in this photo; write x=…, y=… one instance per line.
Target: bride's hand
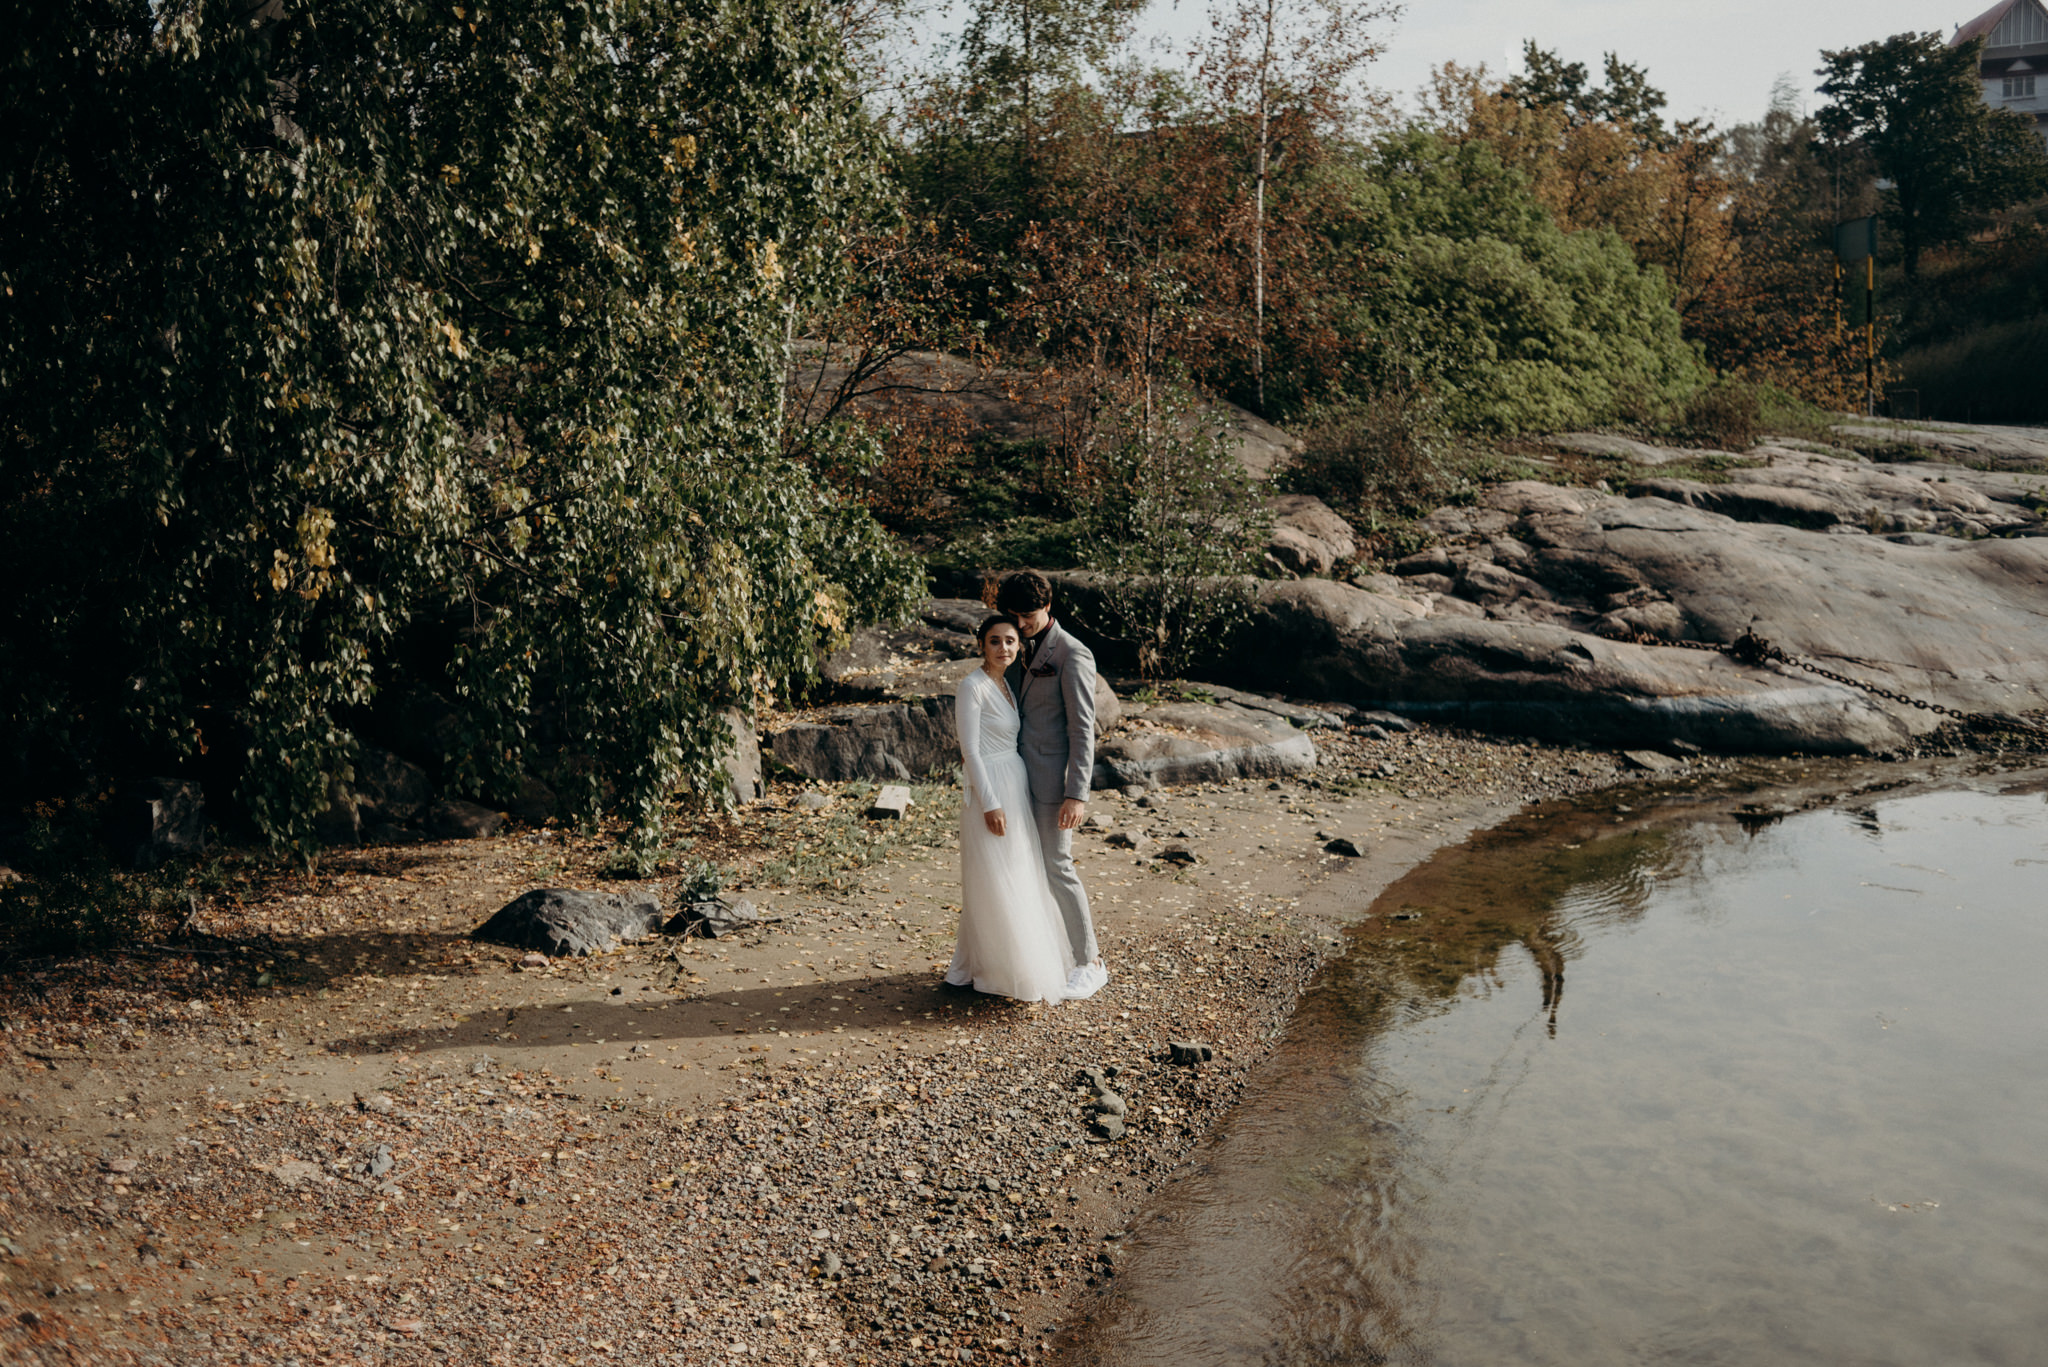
x=994, y=821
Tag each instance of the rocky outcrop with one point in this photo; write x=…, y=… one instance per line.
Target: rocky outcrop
x=1546, y=609
x=1177, y=743
x=567, y=921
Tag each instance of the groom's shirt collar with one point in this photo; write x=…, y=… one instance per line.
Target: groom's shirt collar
x=1032, y=643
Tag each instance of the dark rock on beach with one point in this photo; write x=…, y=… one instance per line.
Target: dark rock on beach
x=566, y=921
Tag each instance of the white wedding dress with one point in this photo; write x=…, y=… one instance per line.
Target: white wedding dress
x=1012, y=941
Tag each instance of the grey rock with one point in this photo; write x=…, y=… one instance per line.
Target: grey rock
x=1344, y=846
x=1108, y=1127
x=377, y=1103
x=1317, y=638
x=1109, y=1103
x=1182, y=855
x=899, y=740
x=1133, y=840
x=1651, y=760
x=1199, y=743
x=454, y=818
x=1391, y=721
x=830, y=1268
x=1189, y=1051
x=567, y=921
x=155, y=819
x=1133, y=791
x=744, y=779
x=389, y=789
x=376, y=1164
x=1259, y=702
x=813, y=802
x=1307, y=537
x=1639, y=452
x=714, y=918
x=892, y=803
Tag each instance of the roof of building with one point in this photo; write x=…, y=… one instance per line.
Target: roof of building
x=1984, y=24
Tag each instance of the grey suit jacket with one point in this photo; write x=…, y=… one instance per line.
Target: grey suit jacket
x=1056, y=714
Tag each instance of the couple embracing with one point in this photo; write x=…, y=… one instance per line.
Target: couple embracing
x=1027, y=745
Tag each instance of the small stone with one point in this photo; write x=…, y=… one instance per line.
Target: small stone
x=1182, y=855
x=533, y=960
x=1343, y=846
x=830, y=1268
x=1148, y=801
x=1392, y=721
x=1108, y=1126
x=376, y=1164
x=1189, y=1051
x=1133, y=840
x=377, y=1102
x=1109, y=1103
x=938, y=1264
x=123, y=1164
x=813, y=802
x=149, y=1255
x=1133, y=791
x=1651, y=761
x=1095, y=821
x=890, y=804
x=753, y=1275
x=1370, y=731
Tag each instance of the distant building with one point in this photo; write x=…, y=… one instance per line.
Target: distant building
x=2014, y=68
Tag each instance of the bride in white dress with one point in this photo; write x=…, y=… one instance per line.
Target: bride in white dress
x=1012, y=941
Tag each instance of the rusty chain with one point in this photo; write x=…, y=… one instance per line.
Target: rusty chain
x=1752, y=649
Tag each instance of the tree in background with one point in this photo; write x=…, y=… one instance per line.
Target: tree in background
x=376, y=347
x=1951, y=159
x=1525, y=326
x=1278, y=76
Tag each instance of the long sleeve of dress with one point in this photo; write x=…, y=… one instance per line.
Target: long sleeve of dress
x=968, y=701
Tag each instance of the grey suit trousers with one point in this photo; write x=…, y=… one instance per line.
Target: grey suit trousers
x=1067, y=893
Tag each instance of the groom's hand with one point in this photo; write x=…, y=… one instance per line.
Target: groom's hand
x=1071, y=812
x=994, y=821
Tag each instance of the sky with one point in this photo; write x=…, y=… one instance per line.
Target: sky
x=1715, y=58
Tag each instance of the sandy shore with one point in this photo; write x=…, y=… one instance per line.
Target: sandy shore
x=343, y=1132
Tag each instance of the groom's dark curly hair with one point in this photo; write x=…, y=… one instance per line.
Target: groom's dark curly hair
x=1023, y=591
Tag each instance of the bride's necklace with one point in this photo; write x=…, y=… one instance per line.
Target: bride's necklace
x=1000, y=682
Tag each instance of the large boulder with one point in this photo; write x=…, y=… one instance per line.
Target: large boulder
x=903, y=739
x=1175, y=743
x=891, y=741
x=567, y=921
x=1308, y=537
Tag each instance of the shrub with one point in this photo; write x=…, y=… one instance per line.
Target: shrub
x=1175, y=527
x=1387, y=453
x=1728, y=413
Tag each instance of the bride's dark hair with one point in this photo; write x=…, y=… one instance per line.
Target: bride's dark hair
x=996, y=620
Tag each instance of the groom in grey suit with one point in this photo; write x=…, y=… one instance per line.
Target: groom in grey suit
x=1053, y=682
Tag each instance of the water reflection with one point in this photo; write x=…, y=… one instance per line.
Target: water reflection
x=1790, y=1111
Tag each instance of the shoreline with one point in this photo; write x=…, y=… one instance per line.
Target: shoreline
x=589, y=1163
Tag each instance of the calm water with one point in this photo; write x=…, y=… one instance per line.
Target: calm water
x=1679, y=1088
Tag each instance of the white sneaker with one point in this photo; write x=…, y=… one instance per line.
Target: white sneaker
x=1086, y=980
